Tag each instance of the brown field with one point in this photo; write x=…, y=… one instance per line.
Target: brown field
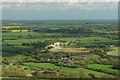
x=70, y=50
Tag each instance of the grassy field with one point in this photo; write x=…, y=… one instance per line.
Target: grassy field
x=11, y=53
x=16, y=57
x=94, y=40
x=66, y=69
x=8, y=50
x=86, y=40
x=15, y=35
x=99, y=74
x=103, y=31
x=61, y=69
x=53, y=67
x=103, y=68
x=83, y=40
x=96, y=69
x=114, y=51
x=92, y=57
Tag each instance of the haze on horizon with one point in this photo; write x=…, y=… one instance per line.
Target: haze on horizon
x=59, y=10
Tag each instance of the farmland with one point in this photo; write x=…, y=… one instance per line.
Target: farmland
x=114, y=51
x=64, y=69
x=70, y=50
x=103, y=68
x=59, y=49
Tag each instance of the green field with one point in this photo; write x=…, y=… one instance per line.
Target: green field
x=96, y=40
x=53, y=67
x=20, y=41
x=86, y=40
x=114, y=51
x=103, y=31
x=66, y=69
x=99, y=74
x=65, y=48
x=11, y=53
x=92, y=57
x=15, y=35
x=103, y=68
x=8, y=50
x=12, y=38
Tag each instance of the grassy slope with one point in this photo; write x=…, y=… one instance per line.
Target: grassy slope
x=66, y=69
x=86, y=40
x=10, y=53
x=103, y=68
x=114, y=51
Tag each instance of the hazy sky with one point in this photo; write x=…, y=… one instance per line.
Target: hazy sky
x=59, y=10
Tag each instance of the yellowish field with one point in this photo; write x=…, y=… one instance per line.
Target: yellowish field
x=14, y=30
x=11, y=27
x=19, y=31
x=69, y=50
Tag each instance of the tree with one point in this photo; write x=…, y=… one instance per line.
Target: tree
x=115, y=63
x=5, y=61
x=36, y=74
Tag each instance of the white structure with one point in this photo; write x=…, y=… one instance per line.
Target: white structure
x=55, y=45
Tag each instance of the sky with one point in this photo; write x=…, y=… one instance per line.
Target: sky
x=69, y=10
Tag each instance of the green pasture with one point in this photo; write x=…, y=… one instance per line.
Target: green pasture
x=15, y=35
x=94, y=40
x=11, y=53
x=85, y=40
x=103, y=68
x=20, y=41
x=15, y=57
x=66, y=69
x=114, y=51
x=99, y=74
x=92, y=57
x=103, y=31
x=53, y=67
x=7, y=47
